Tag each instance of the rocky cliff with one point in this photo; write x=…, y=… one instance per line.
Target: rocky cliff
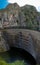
x=14, y=15
x=32, y=17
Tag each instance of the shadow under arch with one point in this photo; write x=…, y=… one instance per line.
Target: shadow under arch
x=23, y=54
x=16, y=51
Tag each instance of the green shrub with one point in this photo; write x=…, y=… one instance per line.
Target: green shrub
x=3, y=62
x=14, y=63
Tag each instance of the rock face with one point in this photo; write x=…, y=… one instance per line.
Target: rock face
x=14, y=15
x=32, y=17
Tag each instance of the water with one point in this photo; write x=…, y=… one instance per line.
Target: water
x=13, y=55
x=3, y=3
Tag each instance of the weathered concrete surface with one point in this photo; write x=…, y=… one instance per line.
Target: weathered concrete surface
x=3, y=44
x=34, y=35
x=10, y=37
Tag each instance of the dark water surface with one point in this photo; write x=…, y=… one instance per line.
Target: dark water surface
x=15, y=54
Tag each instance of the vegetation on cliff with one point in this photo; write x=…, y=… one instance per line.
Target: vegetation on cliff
x=26, y=16
x=32, y=17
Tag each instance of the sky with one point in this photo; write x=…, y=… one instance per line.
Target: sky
x=36, y=3
x=3, y=3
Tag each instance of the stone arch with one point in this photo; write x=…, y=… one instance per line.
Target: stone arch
x=22, y=43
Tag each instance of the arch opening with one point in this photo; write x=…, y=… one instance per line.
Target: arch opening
x=20, y=54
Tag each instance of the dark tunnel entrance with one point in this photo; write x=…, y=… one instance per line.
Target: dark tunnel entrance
x=21, y=48
x=20, y=54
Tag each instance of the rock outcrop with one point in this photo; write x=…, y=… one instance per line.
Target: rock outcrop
x=14, y=15
x=32, y=17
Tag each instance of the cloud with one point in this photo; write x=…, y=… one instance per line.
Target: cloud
x=23, y=2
